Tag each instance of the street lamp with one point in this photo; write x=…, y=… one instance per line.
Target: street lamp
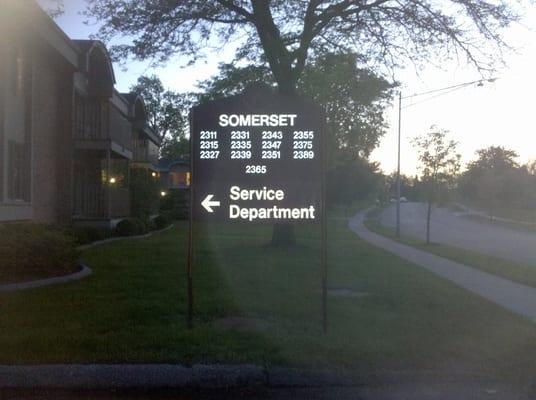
x=452, y=88
x=398, y=165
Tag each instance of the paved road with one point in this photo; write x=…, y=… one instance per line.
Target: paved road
x=166, y=382
x=512, y=296
x=403, y=391
x=450, y=228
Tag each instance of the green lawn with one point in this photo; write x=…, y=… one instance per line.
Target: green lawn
x=515, y=214
x=132, y=309
x=520, y=219
x=517, y=272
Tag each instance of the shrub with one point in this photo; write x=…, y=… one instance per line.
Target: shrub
x=89, y=234
x=167, y=215
x=161, y=222
x=130, y=227
x=29, y=247
x=176, y=204
x=151, y=225
x=144, y=198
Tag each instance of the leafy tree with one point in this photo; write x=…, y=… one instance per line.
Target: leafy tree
x=494, y=158
x=175, y=147
x=495, y=180
x=352, y=180
x=439, y=165
x=143, y=193
x=166, y=115
x=232, y=80
x=488, y=180
x=354, y=99
x=488, y=187
x=286, y=33
x=531, y=167
x=409, y=187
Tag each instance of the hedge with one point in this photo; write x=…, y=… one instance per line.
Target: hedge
x=30, y=247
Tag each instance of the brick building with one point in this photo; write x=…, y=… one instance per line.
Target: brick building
x=68, y=139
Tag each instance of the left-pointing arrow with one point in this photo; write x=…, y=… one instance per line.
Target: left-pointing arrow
x=208, y=203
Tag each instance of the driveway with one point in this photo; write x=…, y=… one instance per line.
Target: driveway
x=452, y=229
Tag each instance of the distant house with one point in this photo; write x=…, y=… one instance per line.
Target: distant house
x=174, y=174
x=68, y=139
x=175, y=179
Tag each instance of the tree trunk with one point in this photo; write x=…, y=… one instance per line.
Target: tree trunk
x=281, y=65
x=428, y=217
x=283, y=235
x=287, y=87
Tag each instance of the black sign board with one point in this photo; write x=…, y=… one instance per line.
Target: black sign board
x=257, y=158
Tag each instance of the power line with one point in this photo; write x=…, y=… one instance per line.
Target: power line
x=459, y=85
x=439, y=92
x=435, y=96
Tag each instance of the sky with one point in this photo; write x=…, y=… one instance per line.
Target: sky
x=499, y=113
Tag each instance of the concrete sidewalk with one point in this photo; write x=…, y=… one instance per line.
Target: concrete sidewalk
x=514, y=297
x=94, y=377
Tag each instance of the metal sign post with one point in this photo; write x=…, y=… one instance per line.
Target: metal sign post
x=258, y=158
x=189, y=269
x=324, y=238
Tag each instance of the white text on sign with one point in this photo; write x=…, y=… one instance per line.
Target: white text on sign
x=257, y=119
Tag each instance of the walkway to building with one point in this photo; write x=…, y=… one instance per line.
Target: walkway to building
x=515, y=297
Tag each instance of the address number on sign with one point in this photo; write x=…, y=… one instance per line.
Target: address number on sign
x=303, y=155
x=255, y=169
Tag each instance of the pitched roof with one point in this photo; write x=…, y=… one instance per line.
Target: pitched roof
x=164, y=164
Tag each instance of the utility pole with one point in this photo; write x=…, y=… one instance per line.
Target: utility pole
x=441, y=91
x=398, y=167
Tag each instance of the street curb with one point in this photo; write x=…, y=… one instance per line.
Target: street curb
x=485, y=217
x=295, y=377
x=84, y=272
x=172, y=376
x=116, y=239
x=77, y=376
x=14, y=287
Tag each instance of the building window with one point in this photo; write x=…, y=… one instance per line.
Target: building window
x=18, y=187
x=16, y=141
x=17, y=71
x=3, y=89
x=118, y=173
x=179, y=179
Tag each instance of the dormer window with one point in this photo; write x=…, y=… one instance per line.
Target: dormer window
x=100, y=73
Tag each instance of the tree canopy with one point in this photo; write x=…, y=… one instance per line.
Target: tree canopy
x=495, y=158
x=354, y=98
x=286, y=33
x=438, y=157
x=166, y=115
x=496, y=179
x=439, y=164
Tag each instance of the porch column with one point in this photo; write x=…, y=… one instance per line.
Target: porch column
x=108, y=185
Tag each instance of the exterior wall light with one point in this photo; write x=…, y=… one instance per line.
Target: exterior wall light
x=163, y=194
x=113, y=180
x=153, y=174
